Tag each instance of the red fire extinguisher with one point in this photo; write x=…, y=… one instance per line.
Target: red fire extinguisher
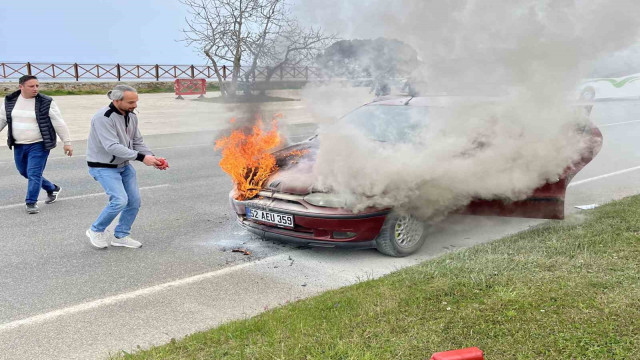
x=472, y=353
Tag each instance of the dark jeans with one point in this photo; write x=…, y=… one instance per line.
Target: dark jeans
x=31, y=160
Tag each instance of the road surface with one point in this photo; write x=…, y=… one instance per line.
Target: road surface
x=60, y=298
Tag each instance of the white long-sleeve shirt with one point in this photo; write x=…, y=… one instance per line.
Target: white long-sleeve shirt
x=24, y=125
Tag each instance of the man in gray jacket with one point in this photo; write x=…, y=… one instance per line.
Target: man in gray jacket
x=114, y=140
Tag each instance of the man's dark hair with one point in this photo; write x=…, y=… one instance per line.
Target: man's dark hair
x=23, y=79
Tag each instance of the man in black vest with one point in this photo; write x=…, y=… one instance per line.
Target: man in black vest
x=33, y=121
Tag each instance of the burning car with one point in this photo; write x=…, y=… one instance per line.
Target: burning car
x=284, y=205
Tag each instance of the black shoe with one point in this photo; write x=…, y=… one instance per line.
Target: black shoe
x=32, y=209
x=53, y=196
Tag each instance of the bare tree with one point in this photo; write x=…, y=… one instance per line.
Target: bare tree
x=219, y=29
x=249, y=33
x=274, y=15
x=294, y=47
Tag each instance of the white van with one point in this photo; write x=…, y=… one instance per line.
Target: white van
x=610, y=88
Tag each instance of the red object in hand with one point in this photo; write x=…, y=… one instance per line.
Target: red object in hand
x=164, y=164
x=472, y=353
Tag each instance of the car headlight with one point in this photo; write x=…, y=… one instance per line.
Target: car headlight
x=327, y=200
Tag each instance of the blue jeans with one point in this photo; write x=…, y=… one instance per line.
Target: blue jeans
x=31, y=160
x=124, y=198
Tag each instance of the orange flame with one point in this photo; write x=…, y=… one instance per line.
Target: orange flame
x=247, y=158
x=297, y=153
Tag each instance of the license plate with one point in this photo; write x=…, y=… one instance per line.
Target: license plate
x=283, y=220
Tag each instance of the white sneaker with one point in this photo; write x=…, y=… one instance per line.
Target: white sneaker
x=97, y=239
x=126, y=242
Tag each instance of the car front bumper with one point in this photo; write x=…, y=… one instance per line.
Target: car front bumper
x=281, y=235
x=314, y=226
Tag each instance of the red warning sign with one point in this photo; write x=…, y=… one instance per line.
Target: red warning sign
x=190, y=86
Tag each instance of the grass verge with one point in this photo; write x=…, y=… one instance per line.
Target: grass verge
x=564, y=290
x=149, y=90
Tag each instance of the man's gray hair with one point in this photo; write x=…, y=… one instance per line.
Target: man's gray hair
x=118, y=92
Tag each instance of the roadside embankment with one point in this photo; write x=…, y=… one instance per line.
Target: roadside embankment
x=58, y=88
x=96, y=87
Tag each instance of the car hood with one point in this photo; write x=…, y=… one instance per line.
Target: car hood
x=295, y=169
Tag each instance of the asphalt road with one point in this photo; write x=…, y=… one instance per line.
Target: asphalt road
x=60, y=298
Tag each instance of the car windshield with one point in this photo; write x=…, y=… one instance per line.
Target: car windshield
x=388, y=123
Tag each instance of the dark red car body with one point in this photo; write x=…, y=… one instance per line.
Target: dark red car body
x=332, y=226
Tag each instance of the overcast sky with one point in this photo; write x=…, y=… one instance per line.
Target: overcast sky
x=129, y=31
x=147, y=31
x=94, y=31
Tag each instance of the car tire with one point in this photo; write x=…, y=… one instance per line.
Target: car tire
x=588, y=94
x=401, y=235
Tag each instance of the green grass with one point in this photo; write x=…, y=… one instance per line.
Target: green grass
x=58, y=92
x=159, y=89
x=563, y=290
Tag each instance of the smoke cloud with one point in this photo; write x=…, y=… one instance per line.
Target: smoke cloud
x=533, y=53
x=327, y=102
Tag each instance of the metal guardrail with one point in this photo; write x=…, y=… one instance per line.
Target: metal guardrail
x=77, y=72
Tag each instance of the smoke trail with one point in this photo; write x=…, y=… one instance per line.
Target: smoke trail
x=532, y=52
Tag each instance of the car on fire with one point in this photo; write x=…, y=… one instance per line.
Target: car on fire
x=295, y=212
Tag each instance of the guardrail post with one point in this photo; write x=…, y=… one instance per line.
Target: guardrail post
x=157, y=73
x=28, y=68
x=75, y=71
x=224, y=72
x=4, y=74
x=193, y=75
x=118, y=71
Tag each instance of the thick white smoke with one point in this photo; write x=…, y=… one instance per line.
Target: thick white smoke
x=532, y=52
x=327, y=102
x=466, y=152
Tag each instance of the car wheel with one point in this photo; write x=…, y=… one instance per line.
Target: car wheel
x=401, y=235
x=588, y=94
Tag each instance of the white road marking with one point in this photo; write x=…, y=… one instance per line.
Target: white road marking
x=37, y=319
x=81, y=196
x=620, y=123
x=158, y=148
x=181, y=146
x=603, y=176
